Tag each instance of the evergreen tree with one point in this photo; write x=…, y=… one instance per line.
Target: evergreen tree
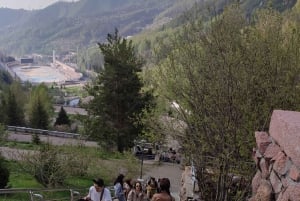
x=39, y=107
x=14, y=112
x=118, y=98
x=3, y=116
x=12, y=102
x=62, y=118
x=39, y=117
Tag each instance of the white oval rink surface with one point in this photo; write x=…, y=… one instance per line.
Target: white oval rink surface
x=39, y=74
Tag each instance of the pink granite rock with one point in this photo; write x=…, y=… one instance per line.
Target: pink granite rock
x=284, y=128
x=264, y=191
x=262, y=141
x=264, y=166
x=285, y=182
x=256, y=182
x=271, y=151
x=275, y=181
x=294, y=173
x=282, y=197
x=292, y=193
x=281, y=164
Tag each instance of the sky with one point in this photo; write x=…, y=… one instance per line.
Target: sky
x=28, y=4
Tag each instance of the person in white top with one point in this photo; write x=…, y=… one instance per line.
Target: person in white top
x=98, y=192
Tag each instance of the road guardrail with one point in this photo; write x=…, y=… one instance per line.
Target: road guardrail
x=43, y=132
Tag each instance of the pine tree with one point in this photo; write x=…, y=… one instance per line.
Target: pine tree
x=117, y=95
x=62, y=118
x=39, y=107
x=14, y=112
x=39, y=118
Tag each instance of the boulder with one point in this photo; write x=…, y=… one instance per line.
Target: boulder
x=284, y=129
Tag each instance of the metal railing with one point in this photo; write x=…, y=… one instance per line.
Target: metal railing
x=43, y=132
x=40, y=194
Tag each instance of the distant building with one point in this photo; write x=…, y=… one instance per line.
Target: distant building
x=26, y=60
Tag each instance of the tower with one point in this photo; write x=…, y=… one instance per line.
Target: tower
x=53, y=57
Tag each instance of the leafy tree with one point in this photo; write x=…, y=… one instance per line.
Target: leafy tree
x=226, y=78
x=3, y=133
x=118, y=98
x=39, y=107
x=62, y=118
x=47, y=165
x=12, y=104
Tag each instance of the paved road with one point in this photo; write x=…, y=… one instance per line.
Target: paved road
x=51, y=139
x=71, y=110
x=169, y=170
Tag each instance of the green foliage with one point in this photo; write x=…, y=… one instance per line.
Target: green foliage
x=46, y=165
x=5, y=78
x=36, y=139
x=118, y=98
x=14, y=111
x=4, y=173
x=77, y=162
x=91, y=59
x=39, y=108
x=12, y=105
x=62, y=118
x=226, y=77
x=3, y=133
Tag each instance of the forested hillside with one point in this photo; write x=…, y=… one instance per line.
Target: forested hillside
x=68, y=26
x=217, y=80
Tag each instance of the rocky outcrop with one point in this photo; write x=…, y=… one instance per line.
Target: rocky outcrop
x=277, y=157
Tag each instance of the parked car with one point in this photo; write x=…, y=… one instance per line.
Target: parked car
x=146, y=150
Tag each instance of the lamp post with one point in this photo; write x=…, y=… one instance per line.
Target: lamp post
x=142, y=159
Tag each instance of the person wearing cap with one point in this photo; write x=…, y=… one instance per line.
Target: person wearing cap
x=98, y=192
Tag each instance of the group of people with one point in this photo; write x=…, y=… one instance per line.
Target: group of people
x=128, y=190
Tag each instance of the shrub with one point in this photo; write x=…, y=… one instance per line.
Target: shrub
x=36, y=139
x=4, y=173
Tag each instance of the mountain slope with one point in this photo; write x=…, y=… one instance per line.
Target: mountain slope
x=67, y=26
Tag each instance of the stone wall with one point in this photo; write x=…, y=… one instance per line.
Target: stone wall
x=277, y=157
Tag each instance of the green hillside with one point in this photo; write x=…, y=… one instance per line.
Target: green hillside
x=67, y=26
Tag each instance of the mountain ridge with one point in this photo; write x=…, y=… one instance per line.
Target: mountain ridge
x=65, y=26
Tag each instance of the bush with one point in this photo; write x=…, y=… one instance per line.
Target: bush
x=36, y=139
x=4, y=173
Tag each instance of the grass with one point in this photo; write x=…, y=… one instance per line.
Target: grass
x=19, y=145
x=99, y=163
x=75, y=91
